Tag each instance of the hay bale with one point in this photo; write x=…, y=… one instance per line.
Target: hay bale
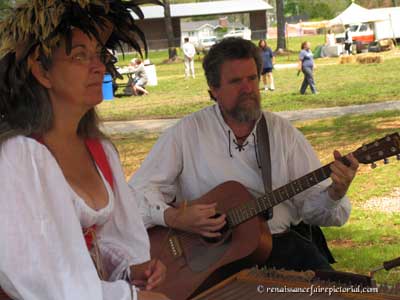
x=370, y=59
x=347, y=59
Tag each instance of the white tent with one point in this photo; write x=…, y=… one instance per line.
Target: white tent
x=353, y=14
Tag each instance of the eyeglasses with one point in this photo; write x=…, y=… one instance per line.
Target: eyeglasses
x=84, y=57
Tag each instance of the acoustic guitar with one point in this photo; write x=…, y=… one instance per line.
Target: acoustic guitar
x=192, y=261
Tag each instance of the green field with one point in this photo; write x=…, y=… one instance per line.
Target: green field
x=338, y=84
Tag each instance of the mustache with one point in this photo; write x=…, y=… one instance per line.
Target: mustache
x=245, y=96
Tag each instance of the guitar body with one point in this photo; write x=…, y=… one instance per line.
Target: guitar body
x=190, y=260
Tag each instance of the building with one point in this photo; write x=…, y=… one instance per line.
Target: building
x=153, y=24
x=197, y=30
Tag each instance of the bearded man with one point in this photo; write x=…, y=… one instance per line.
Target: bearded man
x=219, y=143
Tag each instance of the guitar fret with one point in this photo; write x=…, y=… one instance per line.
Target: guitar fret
x=230, y=219
x=259, y=205
x=297, y=186
x=321, y=176
x=234, y=216
x=247, y=211
x=292, y=191
x=275, y=198
x=327, y=171
x=252, y=210
x=282, y=193
x=244, y=212
x=304, y=183
x=256, y=210
x=311, y=179
x=237, y=214
x=265, y=199
x=278, y=196
x=315, y=177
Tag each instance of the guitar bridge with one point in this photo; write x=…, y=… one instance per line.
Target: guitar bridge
x=175, y=246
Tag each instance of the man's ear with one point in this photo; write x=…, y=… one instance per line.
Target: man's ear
x=41, y=75
x=213, y=93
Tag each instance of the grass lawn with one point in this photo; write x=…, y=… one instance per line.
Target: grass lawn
x=339, y=85
x=370, y=237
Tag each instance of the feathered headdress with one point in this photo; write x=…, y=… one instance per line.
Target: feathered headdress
x=41, y=23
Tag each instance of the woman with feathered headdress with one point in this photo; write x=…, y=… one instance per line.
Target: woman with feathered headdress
x=68, y=229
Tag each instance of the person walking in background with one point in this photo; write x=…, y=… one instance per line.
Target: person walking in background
x=348, y=40
x=306, y=65
x=189, y=52
x=268, y=64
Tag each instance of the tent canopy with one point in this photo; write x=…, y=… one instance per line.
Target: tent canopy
x=353, y=14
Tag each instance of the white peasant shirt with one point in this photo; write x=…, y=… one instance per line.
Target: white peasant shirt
x=43, y=254
x=201, y=152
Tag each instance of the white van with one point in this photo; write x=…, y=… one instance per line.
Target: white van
x=361, y=32
x=204, y=43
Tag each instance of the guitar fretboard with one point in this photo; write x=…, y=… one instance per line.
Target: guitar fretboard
x=250, y=209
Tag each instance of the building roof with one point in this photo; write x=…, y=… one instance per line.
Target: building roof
x=195, y=25
x=206, y=8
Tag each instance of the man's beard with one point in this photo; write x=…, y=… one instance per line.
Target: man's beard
x=246, y=113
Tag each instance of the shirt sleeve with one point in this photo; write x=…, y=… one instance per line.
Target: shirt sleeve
x=43, y=254
x=314, y=205
x=154, y=184
x=271, y=53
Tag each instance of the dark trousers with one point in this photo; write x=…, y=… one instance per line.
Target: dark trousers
x=308, y=80
x=347, y=48
x=291, y=251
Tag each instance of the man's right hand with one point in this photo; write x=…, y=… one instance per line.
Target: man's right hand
x=196, y=218
x=146, y=295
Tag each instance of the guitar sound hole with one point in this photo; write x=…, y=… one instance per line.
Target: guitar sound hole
x=223, y=231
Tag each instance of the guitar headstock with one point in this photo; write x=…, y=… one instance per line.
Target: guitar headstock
x=379, y=149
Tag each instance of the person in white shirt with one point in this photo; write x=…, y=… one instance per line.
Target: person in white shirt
x=64, y=225
x=189, y=52
x=218, y=144
x=330, y=38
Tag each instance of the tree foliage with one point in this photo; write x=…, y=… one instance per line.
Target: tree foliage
x=315, y=9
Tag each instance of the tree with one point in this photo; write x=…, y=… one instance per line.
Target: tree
x=280, y=19
x=170, y=32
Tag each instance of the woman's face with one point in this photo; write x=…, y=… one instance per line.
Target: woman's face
x=263, y=44
x=75, y=80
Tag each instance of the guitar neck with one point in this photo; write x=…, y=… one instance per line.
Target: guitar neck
x=379, y=149
x=250, y=209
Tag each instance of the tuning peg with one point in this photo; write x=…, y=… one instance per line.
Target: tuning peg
x=386, y=160
x=373, y=165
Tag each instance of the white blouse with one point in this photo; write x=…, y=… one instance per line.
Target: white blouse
x=43, y=253
x=199, y=153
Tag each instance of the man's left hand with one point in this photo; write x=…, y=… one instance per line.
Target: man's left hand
x=148, y=275
x=342, y=175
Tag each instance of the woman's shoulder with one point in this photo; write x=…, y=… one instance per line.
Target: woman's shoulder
x=19, y=147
